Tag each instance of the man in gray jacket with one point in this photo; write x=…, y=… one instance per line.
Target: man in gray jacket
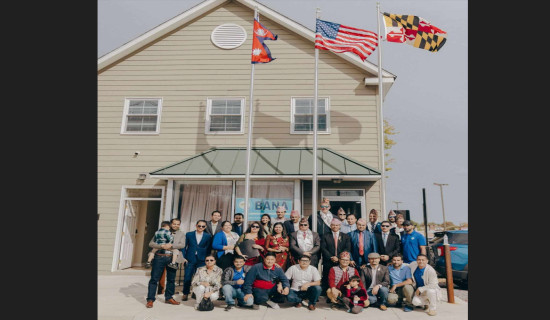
x=425, y=281
x=162, y=258
x=232, y=282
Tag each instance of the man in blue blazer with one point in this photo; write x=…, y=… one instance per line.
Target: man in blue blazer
x=197, y=247
x=294, y=222
x=363, y=242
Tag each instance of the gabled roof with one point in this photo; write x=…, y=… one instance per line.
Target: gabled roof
x=264, y=11
x=267, y=161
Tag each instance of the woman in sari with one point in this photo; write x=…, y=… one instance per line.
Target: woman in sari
x=255, y=235
x=278, y=243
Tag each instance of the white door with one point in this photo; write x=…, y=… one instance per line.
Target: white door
x=128, y=236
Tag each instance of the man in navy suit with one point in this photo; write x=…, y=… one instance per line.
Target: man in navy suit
x=294, y=222
x=362, y=243
x=197, y=247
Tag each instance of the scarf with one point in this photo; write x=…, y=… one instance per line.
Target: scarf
x=307, y=243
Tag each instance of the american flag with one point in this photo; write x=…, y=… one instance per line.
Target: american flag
x=339, y=38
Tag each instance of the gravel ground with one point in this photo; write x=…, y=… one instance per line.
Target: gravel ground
x=461, y=294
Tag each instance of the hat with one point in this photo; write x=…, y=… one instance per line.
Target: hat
x=295, y=212
x=335, y=221
x=344, y=254
x=392, y=214
x=373, y=255
x=407, y=223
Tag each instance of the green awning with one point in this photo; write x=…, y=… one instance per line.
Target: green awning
x=267, y=161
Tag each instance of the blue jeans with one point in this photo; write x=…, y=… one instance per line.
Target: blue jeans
x=230, y=293
x=382, y=296
x=157, y=266
x=189, y=271
x=312, y=294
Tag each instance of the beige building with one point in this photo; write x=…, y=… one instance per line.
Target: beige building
x=172, y=126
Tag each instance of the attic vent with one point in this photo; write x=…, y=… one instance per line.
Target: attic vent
x=228, y=36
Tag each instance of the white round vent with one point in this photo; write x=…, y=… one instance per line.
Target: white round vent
x=228, y=36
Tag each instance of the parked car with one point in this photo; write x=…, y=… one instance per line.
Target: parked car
x=458, y=246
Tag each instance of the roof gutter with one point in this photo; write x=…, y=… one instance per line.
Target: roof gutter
x=242, y=176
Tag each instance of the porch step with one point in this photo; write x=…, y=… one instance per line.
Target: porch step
x=136, y=271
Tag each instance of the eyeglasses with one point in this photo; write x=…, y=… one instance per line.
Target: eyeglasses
x=341, y=214
x=201, y=226
x=279, y=212
x=208, y=260
x=303, y=224
x=254, y=226
x=385, y=226
x=325, y=206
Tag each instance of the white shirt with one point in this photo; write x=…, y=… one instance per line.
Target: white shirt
x=297, y=226
x=300, y=277
x=198, y=236
x=278, y=220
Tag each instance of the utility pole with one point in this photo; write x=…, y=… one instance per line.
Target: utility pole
x=442, y=205
x=397, y=203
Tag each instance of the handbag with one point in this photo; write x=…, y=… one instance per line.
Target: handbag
x=206, y=305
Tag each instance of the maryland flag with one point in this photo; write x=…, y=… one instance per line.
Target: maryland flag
x=413, y=30
x=260, y=52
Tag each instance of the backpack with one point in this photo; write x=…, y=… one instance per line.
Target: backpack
x=206, y=305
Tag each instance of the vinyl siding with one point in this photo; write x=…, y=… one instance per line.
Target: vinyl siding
x=184, y=68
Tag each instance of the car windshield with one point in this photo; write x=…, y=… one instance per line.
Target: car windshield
x=458, y=238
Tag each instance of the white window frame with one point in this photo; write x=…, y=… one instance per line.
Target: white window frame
x=209, y=113
x=125, y=117
x=293, y=109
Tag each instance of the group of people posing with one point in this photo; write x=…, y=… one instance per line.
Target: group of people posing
x=363, y=263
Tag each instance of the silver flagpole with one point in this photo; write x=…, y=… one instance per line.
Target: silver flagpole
x=248, y=147
x=380, y=97
x=314, y=178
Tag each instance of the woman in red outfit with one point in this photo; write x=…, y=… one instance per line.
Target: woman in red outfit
x=279, y=243
x=257, y=236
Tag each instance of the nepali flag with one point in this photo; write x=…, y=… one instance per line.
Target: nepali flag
x=260, y=52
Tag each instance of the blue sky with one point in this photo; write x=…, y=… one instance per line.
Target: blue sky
x=427, y=104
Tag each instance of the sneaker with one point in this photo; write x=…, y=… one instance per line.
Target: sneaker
x=229, y=306
x=431, y=312
x=173, y=265
x=305, y=303
x=272, y=304
x=255, y=306
x=408, y=309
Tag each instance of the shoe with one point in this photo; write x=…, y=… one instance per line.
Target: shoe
x=221, y=298
x=383, y=307
x=149, y=303
x=425, y=307
x=184, y=297
x=272, y=304
x=255, y=306
x=298, y=305
x=334, y=306
x=229, y=306
x=148, y=265
x=408, y=309
x=193, y=296
x=173, y=266
x=431, y=312
x=304, y=303
x=172, y=301
x=311, y=307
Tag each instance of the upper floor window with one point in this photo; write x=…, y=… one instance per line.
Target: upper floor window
x=302, y=115
x=142, y=116
x=225, y=115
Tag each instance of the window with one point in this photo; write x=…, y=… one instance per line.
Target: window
x=141, y=116
x=302, y=115
x=225, y=115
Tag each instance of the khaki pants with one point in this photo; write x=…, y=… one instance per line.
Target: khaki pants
x=405, y=292
x=428, y=297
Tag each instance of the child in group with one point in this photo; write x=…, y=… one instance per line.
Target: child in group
x=163, y=236
x=355, y=296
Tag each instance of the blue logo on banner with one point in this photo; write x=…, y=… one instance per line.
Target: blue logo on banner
x=259, y=206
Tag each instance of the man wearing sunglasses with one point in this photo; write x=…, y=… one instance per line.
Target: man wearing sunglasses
x=324, y=217
x=305, y=241
x=162, y=258
x=197, y=247
x=388, y=244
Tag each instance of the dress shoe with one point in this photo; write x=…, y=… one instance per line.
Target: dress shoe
x=311, y=307
x=149, y=303
x=184, y=297
x=298, y=305
x=383, y=307
x=172, y=301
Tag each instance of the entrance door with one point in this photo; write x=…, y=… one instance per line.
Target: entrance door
x=128, y=236
x=351, y=200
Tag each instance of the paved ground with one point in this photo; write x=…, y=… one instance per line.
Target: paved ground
x=122, y=297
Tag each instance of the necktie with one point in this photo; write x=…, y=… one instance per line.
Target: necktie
x=372, y=227
x=361, y=247
x=304, y=235
x=336, y=244
x=385, y=239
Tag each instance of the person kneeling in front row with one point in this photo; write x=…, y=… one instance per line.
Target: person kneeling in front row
x=232, y=281
x=306, y=283
x=261, y=283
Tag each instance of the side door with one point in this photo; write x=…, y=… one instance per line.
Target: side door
x=128, y=236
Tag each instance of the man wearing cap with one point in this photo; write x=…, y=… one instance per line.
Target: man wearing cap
x=362, y=243
x=391, y=217
x=294, y=223
x=376, y=278
x=324, y=217
x=373, y=226
x=338, y=276
x=280, y=212
x=304, y=241
x=332, y=244
x=413, y=243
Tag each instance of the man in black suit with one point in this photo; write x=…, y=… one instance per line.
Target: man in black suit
x=332, y=244
x=324, y=217
x=388, y=244
x=237, y=226
x=294, y=223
